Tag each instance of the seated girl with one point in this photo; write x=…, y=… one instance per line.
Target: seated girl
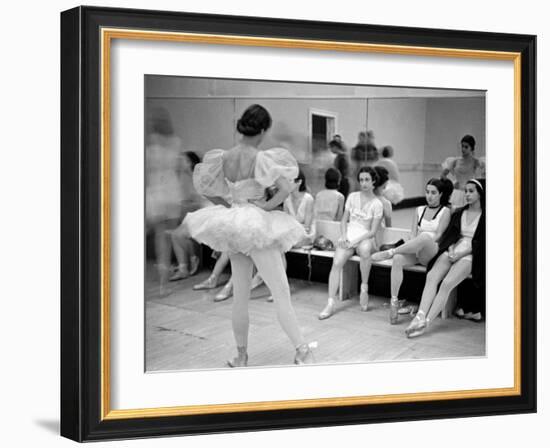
x=329, y=203
x=359, y=225
x=428, y=224
x=461, y=253
x=299, y=204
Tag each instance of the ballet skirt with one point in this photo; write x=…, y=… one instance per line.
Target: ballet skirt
x=393, y=192
x=243, y=227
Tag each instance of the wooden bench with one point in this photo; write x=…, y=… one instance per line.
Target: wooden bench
x=350, y=275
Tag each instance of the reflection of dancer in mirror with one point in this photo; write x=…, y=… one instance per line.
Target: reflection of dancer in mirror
x=359, y=225
x=251, y=231
x=460, y=169
x=187, y=250
x=428, y=224
x=379, y=190
x=461, y=253
x=394, y=190
x=163, y=190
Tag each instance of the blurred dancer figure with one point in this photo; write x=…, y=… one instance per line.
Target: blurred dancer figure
x=163, y=190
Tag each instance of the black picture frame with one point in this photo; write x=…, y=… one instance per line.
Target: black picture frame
x=82, y=396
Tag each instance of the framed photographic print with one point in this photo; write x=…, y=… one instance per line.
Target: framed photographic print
x=277, y=224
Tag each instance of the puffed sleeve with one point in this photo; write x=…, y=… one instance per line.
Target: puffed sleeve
x=377, y=209
x=349, y=202
x=449, y=163
x=272, y=164
x=208, y=177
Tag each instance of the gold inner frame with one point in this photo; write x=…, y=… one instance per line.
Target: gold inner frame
x=107, y=35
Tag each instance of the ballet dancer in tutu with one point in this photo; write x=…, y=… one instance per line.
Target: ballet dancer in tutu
x=429, y=223
x=250, y=230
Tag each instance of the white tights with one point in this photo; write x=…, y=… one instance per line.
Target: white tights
x=269, y=264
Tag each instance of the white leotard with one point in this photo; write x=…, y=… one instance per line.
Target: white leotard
x=428, y=226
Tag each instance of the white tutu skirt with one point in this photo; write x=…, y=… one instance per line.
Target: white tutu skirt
x=243, y=228
x=394, y=192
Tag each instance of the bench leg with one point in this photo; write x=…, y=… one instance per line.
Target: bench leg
x=450, y=304
x=349, y=281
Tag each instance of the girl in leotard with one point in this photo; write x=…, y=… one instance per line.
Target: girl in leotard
x=428, y=224
x=359, y=226
x=461, y=253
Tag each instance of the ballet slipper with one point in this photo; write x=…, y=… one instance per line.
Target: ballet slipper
x=384, y=255
x=327, y=310
x=418, y=326
x=474, y=317
x=304, y=354
x=210, y=283
x=225, y=293
x=241, y=360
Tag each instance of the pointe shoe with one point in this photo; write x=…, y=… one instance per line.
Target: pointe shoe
x=209, y=283
x=225, y=293
x=195, y=263
x=417, y=327
x=304, y=355
x=384, y=255
x=394, y=311
x=327, y=310
x=241, y=360
x=364, y=297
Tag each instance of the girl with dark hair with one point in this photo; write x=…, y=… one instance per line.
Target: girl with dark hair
x=329, y=203
x=428, y=224
x=461, y=253
x=359, y=225
x=251, y=230
x=299, y=204
x=460, y=169
x=341, y=163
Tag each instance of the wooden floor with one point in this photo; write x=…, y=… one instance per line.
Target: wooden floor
x=187, y=330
